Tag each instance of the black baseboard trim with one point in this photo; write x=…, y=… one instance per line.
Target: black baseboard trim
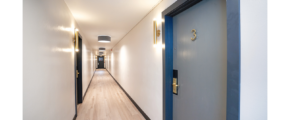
x=75, y=117
x=136, y=105
x=89, y=85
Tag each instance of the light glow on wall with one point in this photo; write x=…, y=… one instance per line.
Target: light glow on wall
x=65, y=28
x=62, y=49
x=158, y=20
x=68, y=29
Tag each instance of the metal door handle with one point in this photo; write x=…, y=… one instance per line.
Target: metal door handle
x=175, y=86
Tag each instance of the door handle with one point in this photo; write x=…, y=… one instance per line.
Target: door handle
x=77, y=73
x=175, y=86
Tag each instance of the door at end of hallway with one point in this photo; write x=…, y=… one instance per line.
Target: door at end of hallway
x=101, y=60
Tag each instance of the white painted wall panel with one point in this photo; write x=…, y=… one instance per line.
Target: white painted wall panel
x=87, y=64
x=48, y=61
x=253, y=101
x=137, y=64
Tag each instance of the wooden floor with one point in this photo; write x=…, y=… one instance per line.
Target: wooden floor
x=105, y=100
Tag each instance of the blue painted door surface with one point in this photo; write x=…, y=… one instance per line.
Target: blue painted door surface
x=202, y=63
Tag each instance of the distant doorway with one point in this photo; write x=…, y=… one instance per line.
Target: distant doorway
x=101, y=62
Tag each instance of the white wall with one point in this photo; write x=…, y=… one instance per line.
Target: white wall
x=253, y=101
x=87, y=64
x=107, y=61
x=137, y=64
x=48, y=61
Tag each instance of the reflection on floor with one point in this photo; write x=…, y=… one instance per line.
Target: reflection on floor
x=105, y=100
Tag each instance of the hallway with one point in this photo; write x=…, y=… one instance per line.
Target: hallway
x=143, y=59
x=105, y=100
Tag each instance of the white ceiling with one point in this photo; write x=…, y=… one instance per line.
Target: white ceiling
x=114, y=18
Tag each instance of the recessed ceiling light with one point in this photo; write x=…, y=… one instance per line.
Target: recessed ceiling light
x=102, y=49
x=104, y=39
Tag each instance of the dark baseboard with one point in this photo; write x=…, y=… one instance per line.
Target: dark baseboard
x=89, y=85
x=75, y=117
x=136, y=105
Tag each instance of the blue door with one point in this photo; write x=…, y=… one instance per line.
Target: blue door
x=201, y=63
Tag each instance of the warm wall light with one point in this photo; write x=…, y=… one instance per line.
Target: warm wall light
x=156, y=32
x=77, y=41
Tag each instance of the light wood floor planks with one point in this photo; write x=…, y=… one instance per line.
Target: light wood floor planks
x=105, y=100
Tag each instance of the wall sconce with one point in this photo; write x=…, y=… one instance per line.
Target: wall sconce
x=77, y=40
x=156, y=33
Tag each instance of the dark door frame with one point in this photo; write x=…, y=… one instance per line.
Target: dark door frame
x=77, y=84
x=79, y=68
x=76, y=91
x=233, y=56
